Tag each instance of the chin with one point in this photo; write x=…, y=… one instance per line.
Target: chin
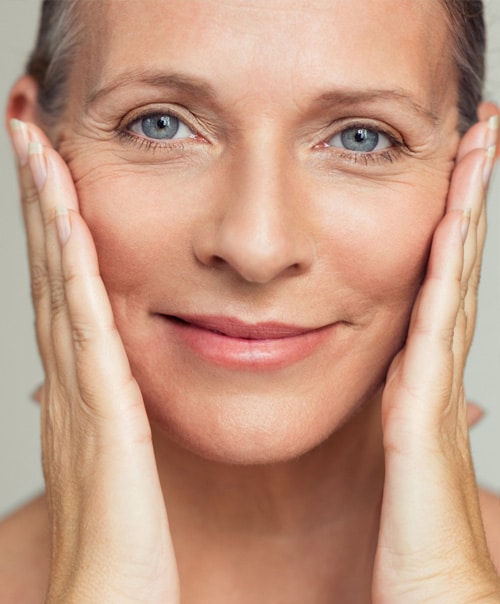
x=250, y=430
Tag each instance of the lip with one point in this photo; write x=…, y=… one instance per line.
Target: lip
x=234, y=344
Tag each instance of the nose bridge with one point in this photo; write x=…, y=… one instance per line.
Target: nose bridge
x=261, y=210
x=260, y=233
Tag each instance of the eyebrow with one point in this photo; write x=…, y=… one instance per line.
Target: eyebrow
x=351, y=98
x=201, y=89
x=194, y=86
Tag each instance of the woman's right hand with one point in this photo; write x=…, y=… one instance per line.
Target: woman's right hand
x=110, y=534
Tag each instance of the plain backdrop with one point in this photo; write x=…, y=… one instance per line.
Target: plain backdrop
x=20, y=372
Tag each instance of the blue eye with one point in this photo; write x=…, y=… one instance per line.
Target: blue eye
x=161, y=126
x=360, y=140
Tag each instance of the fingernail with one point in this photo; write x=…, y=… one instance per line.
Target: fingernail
x=20, y=140
x=488, y=165
x=63, y=225
x=38, y=165
x=492, y=137
x=465, y=223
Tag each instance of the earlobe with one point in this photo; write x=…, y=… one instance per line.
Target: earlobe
x=487, y=110
x=22, y=103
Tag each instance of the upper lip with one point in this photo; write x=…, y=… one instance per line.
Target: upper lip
x=235, y=328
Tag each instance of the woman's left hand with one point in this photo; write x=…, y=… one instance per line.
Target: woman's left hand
x=432, y=546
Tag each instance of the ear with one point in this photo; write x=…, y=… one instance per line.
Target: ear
x=22, y=103
x=486, y=110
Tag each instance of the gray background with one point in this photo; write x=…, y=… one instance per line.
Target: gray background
x=20, y=373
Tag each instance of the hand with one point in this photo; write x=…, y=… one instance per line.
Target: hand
x=432, y=546
x=110, y=534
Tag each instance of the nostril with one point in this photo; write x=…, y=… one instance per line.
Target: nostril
x=259, y=241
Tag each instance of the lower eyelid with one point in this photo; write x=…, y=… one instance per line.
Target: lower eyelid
x=145, y=144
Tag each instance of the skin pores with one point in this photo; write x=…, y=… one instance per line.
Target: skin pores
x=255, y=213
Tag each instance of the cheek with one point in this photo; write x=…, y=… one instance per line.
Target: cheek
x=141, y=236
x=380, y=242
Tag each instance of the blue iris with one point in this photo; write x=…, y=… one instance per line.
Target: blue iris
x=361, y=140
x=160, y=127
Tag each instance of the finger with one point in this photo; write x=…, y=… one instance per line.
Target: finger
x=481, y=135
x=90, y=339
x=470, y=300
x=101, y=360
x=53, y=192
x=427, y=369
x=472, y=271
x=475, y=239
x=35, y=240
x=467, y=192
x=467, y=186
x=465, y=198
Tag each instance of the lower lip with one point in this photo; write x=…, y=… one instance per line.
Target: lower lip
x=241, y=353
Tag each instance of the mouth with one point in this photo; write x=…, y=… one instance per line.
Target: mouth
x=234, y=344
x=233, y=328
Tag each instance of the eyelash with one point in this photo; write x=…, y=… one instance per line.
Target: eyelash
x=359, y=157
x=147, y=144
x=389, y=155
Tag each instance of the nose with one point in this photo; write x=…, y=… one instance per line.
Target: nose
x=258, y=229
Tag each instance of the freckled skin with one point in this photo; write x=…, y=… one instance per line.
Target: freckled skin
x=254, y=219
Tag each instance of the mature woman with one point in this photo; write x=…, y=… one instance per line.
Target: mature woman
x=255, y=231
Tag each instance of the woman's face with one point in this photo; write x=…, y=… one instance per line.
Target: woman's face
x=262, y=180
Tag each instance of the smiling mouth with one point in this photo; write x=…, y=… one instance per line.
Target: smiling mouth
x=236, y=345
x=233, y=328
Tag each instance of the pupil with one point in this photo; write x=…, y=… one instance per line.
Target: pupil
x=163, y=123
x=361, y=136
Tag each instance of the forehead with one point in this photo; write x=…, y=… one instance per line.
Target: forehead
x=297, y=46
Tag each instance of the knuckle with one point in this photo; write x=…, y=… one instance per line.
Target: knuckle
x=48, y=219
x=475, y=278
x=471, y=281
x=89, y=337
x=82, y=336
x=39, y=281
x=29, y=195
x=57, y=297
